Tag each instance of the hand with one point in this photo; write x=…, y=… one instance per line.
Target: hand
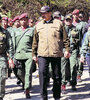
x=82, y=59
x=35, y=59
x=67, y=54
x=11, y=63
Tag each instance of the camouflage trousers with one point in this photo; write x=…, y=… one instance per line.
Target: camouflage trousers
x=3, y=75
x=65, y=70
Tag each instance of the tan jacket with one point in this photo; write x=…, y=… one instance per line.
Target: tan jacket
x=49, y=39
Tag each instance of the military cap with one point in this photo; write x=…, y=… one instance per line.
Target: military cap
x=45, y=9
x=24, y=15
x=15, y=18
x=5, y=18
x=69, y=16
x=56, y=14
x=76, y=11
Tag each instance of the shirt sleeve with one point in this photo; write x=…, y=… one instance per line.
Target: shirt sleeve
x=66, y=39
x=9, y=43
x=35, y=43
x=84, y=47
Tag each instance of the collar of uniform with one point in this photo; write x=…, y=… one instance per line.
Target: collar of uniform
x=50, y=21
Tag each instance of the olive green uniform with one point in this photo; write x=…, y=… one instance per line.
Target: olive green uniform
x=12, y=32
x=73, y=34
x=10, y=29
x=65, y=70
x=81, y=28
x=85, y=49
x=24, y=54
x=6, y=46
x=86, y=45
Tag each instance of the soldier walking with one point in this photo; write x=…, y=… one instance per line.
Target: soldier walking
x=73, y=35
x=5, y=47
x=23, y=52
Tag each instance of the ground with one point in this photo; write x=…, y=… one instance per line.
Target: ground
x=15, y=92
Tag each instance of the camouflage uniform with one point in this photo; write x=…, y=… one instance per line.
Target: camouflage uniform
x=80, y=27
x=6, y=46
x=86, y=49
x=73, y=34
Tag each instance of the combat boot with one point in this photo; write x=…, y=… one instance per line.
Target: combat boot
x=63, y=89
x=74, y=88
x=79, y=78
x=27, y=94
x=1, y=98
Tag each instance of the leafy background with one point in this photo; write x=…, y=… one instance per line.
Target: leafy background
x=11, y=8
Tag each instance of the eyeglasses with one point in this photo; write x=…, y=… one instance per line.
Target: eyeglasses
x=80, y=17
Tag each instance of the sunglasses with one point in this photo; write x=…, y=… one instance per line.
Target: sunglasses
x=68, y=19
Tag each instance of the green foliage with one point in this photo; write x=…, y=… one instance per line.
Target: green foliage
x=9, y=14
x=32, y=7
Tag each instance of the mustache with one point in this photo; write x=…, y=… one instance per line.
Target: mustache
x=43, y=17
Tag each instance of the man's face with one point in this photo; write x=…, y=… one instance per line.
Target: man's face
x=10, y=23
x=17, y=23
x=81, y=17
x=68, y=22
x=46, y=16
x=4, y=23
x=59, y=18
x=76, y=16
x=24, y=21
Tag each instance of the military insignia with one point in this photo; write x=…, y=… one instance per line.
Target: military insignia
x=2, y=37
x=74, y=33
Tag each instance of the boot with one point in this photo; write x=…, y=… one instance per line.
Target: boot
x=1, y=98
x=63, y=89
x=27, y=93
x=79, y=78
x=74, y=88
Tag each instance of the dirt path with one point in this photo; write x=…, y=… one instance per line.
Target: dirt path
x=14, y=92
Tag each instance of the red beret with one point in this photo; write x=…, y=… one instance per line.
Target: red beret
x=5, y=18
x=76, y=11
x=24, y=15
x=15, y=18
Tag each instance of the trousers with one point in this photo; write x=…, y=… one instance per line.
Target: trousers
x=43, y=75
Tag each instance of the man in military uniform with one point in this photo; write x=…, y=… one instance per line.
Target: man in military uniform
x=48, y=41
x=16, y=21
x=23, y=53
x=10, y=22
x=73, y=34
x=79, y=27
x=5, y=47
x=65, y=67
x=85, y=50
x=57, y=15
x=9, y=29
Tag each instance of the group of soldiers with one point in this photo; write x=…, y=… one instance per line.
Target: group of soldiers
x=54, y=43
